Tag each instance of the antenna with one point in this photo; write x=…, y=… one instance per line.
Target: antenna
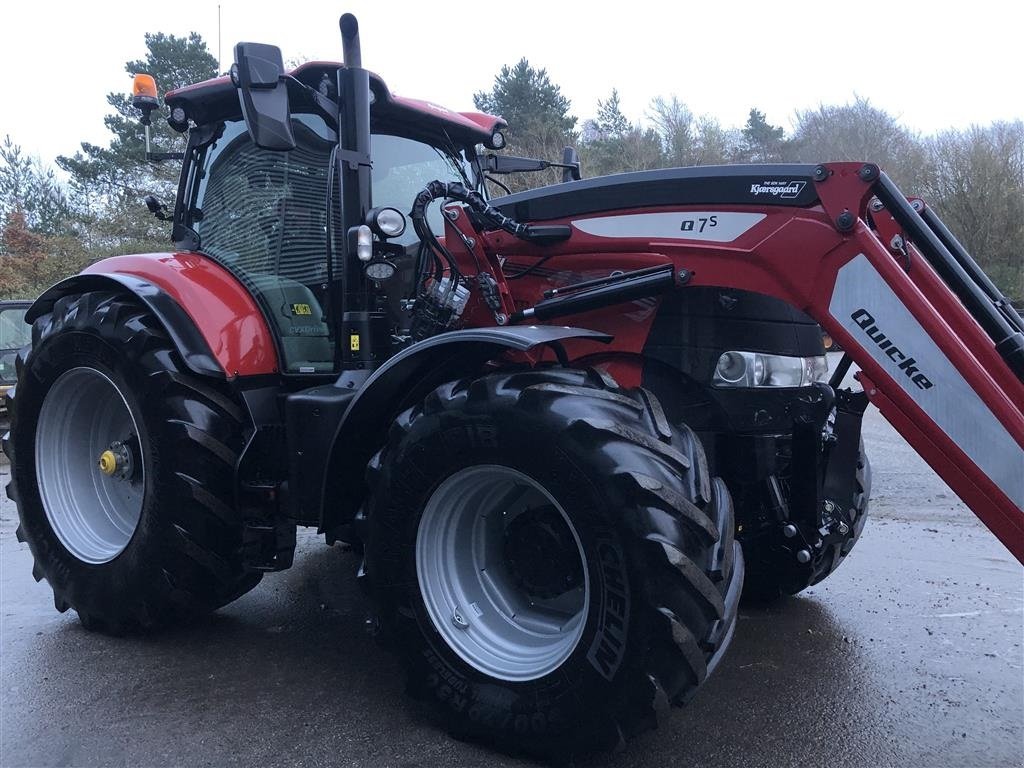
x=220, y=65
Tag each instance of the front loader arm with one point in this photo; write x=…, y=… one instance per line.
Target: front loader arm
x=940, y=359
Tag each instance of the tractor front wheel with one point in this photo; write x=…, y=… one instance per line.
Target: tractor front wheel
x=552, y=561
x=122, y=468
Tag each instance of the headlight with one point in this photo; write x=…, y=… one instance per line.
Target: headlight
x=754, y=369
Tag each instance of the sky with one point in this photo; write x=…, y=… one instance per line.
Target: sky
x=934, y=65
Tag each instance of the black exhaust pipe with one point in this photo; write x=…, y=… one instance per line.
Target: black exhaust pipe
x=352, y=300
x=353, y=155
x=353, y=56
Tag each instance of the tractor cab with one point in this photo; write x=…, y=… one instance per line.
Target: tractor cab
x=272, y=217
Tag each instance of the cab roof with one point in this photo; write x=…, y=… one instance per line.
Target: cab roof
x=217, y=99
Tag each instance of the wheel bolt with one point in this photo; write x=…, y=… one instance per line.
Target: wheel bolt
x=459, y=620
x=843, y=529
x=803, y=556
x=789, y=531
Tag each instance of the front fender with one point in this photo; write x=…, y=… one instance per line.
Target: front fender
x=406, y=379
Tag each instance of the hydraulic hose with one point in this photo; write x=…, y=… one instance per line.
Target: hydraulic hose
x=436, y=190
x=456, y=191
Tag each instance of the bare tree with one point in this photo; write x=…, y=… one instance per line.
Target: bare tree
x=673, y=121
x=857, y=131
x=975, y=180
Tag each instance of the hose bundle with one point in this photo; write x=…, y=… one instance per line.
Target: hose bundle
x=435, y=307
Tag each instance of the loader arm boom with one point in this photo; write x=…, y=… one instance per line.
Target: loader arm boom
x=937, y=389
x=961, y=409
x=941, y=353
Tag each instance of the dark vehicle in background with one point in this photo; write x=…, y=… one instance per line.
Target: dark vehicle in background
x=14, y=334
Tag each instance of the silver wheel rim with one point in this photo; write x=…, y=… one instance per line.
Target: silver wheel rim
x=93, y=513
x=469, y=587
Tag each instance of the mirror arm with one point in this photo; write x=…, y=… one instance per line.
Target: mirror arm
x=491, y=162
x=322, y=105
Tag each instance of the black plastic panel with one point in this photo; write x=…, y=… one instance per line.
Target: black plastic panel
x=311, y=421
x=704, y=185
x=696, y=325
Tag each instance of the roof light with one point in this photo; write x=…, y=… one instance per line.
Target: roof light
x=178, y=120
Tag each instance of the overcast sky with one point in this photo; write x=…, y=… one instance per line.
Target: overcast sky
x=932, y=64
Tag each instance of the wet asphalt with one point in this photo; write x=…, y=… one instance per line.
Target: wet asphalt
x=909, y=655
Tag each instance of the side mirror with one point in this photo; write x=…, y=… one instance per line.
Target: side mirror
x=570, y=165
x=256, y=74
x=157, y=208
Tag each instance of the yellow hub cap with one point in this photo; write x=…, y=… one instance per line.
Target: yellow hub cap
x=108, y=462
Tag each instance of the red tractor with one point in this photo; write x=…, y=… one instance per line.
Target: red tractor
x=555, y=519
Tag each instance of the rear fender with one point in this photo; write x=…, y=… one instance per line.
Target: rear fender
x=406, y=379
x=213, y=321
x=183, y=333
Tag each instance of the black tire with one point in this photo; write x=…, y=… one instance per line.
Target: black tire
x=647, y=514
x=184, y=556
x=772, y=569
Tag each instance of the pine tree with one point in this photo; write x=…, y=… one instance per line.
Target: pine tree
x=31, y=191
x=527, y=99
x=538, y=116
x=110, y=182
x=610, y=120
x=763, y=142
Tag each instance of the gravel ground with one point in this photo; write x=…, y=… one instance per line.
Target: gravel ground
x=910, y=655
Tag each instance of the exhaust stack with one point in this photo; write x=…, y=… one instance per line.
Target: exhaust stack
x=353, y=170
x=350, y=51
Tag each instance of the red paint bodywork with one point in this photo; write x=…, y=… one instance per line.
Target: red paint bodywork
x=223, y=310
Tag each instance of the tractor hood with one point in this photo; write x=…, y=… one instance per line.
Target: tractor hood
x=217, y=99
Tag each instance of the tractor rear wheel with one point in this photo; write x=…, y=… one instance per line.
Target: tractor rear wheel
x=122, y=469
x=551, y=559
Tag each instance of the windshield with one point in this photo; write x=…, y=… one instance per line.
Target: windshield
x=263, y=215
x=402, y=168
